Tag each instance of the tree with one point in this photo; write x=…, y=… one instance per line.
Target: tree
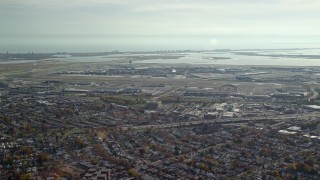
x=203, y=167
x=7, y=119
x=26, y=177
x=293, y=166
x=7, y=160
x=94, y=161
x=102, y=134
x=44, y=126
x=276, y=173
x=42, y=157
x=265, y=151
x=79, y=142
x=142, y=150
x=26, y=150
x=177, y=150
x=133, y=173
x=235, y=163
x=11, y=130
x=302, y=167
x=181, y=158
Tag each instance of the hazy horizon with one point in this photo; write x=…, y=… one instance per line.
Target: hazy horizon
x=62, y=43
x=137, y=25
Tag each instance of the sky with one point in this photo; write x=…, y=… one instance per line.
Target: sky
x=161, y=24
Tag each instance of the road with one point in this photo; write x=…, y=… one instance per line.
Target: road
x=219, y=121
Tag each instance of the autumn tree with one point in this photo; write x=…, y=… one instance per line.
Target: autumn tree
x=26, y=177
x=42, y=157
x=293, y=166
x=133, y=173
x=26, y=150
x=235, y=163
x=265, y=151
x=143, y=150
x=79, y=142
x=302, y=167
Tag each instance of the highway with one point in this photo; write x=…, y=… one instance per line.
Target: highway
x=221, y=121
